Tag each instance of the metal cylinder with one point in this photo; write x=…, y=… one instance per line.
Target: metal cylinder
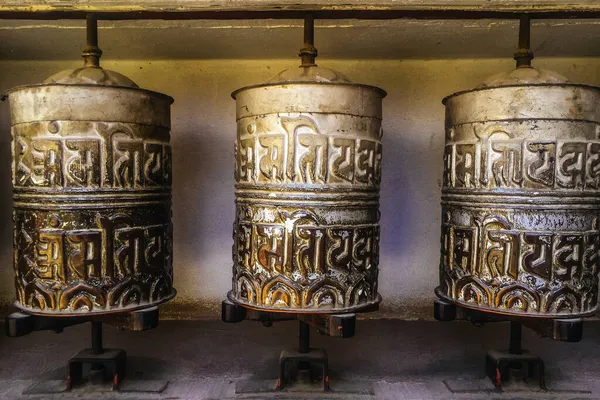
x=520, y=198
x=92, y=194
x=308, y=168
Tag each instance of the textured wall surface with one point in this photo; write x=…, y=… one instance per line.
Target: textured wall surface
x=203, y=118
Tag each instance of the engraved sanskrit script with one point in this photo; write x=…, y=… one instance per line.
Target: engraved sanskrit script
x=296, y=151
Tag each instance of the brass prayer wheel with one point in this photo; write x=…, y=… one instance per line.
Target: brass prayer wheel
x=308, y=168
x=92, y=192
x=520, y=198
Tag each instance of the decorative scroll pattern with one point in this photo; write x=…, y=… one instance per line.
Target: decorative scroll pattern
x=514, y=245
x=77, y=247
x=294, y=248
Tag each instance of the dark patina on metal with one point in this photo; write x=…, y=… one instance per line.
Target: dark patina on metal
x=92, y=192
x=308, y=169
x=521, y=195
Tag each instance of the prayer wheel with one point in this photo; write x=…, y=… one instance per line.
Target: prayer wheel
x=91, y=174
x=520, y=198
x=308, y=169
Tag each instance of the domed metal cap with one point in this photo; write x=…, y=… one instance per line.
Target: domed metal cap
x=310, y=73
x=90, y=75
x=525, y=75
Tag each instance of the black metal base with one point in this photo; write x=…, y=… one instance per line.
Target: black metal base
x=501, y=364
x=499, y=367
x=303, y=361
x=336, y=325
x=110, y=363
x=103, y=362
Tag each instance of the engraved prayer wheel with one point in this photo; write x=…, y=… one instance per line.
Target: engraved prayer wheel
x=308, y=168
x=92, y=193
x=520, y=198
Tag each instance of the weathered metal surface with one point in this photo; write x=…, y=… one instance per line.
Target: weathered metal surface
x=520, y=198
x=308, y=168
x=92, y=194
x=376, y=9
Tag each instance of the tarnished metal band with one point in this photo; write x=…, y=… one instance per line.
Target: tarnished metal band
x=364, y=306
x=322, y=98
x=549, y=102
x=80, y=312
x=475, y=201
x=325, y=194
x=382, y=93
x=331, y=196
x=440, y=294
x=89, y=103
x=521, y=85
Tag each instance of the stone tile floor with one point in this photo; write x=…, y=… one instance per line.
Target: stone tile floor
x=387, y=359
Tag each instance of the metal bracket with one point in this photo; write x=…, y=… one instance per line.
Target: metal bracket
x=336, y=325
x=21, y=324
x=561, y=329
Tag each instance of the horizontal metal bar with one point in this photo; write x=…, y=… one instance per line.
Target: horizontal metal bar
x=438, y=13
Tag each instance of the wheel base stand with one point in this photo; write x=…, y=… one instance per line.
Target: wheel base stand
x=501, y=364
x=113, y=361
x=103, y=362
x=304, y=357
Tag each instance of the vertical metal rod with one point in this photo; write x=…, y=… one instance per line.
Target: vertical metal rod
x=308, y=52
x=524, y=32
x=515, y=338
x=309, y=30
x=92, y=53
x=523, y=56
x=303, y=344
x=97, y=347
x=303, y=337
x=91, y=30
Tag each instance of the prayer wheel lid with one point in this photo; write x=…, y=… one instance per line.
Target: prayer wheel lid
x=310, y=73
x=525, y=75
x=521, y=76
x=91, y=75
